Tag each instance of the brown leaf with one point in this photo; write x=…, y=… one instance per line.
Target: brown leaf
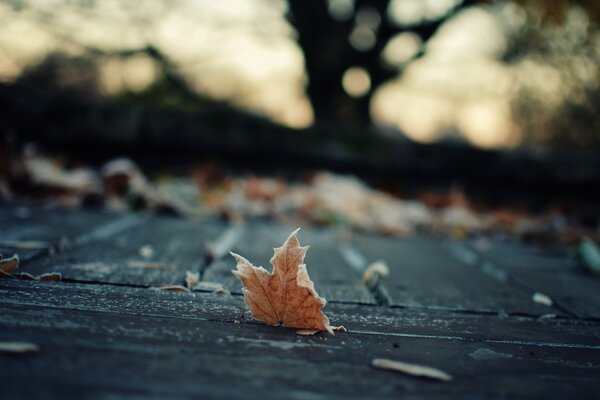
x=27, y=277
x=174, y=288
x=411, y=369
x=8, y=265
x=286, y=296
x=50, y=276
x=6, y=275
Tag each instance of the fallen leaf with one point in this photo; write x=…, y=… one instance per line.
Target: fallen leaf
x=6, y=275
x=588, y=255
x=286, y=296
x=46, y=172
x=411, y=369
x=146, y=251
x=50, y=276
x=340, y=328
x=374, y=272
x=174, y=288
x=27, y=277
x=8, y=265
x=18, y=347
x=222, y=291
x=307, y=332
x=541, y=298
x=191, y=279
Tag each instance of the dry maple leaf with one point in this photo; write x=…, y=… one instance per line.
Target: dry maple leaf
x=286, y=296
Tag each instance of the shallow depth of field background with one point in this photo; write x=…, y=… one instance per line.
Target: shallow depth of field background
x=495, y=74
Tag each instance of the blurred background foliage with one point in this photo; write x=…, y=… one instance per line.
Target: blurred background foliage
x=495, y=74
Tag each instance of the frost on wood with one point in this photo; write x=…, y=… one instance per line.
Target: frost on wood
x=285, y=296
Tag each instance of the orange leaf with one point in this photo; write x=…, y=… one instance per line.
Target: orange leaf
x=286, y=296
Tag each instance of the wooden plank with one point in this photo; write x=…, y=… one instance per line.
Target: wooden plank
x=333, y=278
x=95, y=351
x=394, y=322
x=520, y=255
x=555, y=274
x=425, y=274
x=113, y=253
x=50, y=227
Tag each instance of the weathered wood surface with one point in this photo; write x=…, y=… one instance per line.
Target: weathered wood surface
x=123, y=351
x=112, y=252
x=447, y=305
x=425, y=274
x=51, y=228
x=555, y=274
x=333, y=277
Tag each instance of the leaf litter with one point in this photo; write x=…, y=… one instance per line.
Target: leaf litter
x=411, y=369
x=8, y=265
x=318, y=198
x=18, y=347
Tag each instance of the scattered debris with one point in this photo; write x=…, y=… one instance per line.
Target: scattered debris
x=237, y=321
x=224, y=243
x=146, y=251
x=191, y=279
x=340, y=329
x=8, y=265
x=6, y=275
x=18, y=347
x=173, y=288
x=50, y=173
x=27, y=277
x=50, y=277
x=541, y=298
x=411, y=369
x=277, y=301
x=374, y=273
x=307, y=332
x=319, y=198
x=588, y=255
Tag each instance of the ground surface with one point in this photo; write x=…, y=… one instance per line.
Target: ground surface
x=463, y=306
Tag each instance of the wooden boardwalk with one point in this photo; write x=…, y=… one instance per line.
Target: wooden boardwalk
x=463, y=306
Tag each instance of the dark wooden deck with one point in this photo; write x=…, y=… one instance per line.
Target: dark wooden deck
x=456, y=305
